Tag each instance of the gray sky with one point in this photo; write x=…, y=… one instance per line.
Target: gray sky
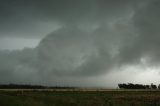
x=89, y=43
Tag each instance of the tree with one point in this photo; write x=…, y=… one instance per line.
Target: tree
x=147, y=87
x=159, y=86
x=153, y=86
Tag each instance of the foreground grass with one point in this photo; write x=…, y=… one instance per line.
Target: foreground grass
x=79, y=98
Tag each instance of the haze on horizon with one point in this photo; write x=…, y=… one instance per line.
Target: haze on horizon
x=86, y=43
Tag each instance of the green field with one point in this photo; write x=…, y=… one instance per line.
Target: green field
x=79, y=98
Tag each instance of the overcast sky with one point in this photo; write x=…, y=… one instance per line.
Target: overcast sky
x=88, y=43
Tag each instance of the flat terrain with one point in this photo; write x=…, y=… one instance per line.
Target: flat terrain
x=17, y=97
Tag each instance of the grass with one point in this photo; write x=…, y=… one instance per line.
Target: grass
x=79, y=98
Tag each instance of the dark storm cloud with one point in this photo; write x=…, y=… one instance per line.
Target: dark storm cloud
x=146, y=42
x=32, y=18
x=94, y=37
x=72, y=51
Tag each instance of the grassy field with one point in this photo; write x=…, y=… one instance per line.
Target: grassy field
x=79, y=98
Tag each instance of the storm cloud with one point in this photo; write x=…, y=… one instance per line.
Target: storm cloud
x=82, y=42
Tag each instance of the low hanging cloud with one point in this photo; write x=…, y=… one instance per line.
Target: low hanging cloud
x=87, y=45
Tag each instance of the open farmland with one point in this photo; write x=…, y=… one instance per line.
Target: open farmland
x=79, y=97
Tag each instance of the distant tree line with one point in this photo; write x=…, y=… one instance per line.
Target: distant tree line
x=138, y=86
x=26, y=86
